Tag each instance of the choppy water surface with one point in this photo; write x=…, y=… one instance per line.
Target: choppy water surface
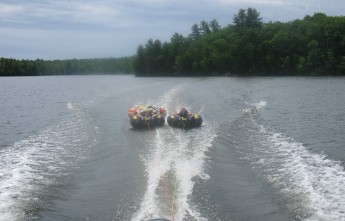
x=269, y=149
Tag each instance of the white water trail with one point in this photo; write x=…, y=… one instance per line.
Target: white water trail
x=31, y=165
x=175, y=159
x=312, y=185
x=254, y=107
x=315, y=183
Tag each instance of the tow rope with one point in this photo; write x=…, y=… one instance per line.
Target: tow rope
x=167, y=193
x=147, y=123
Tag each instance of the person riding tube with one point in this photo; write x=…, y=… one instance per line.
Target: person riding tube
x=146, y=117
x=184, y=119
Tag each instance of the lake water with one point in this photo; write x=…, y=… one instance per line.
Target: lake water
x=269, y=149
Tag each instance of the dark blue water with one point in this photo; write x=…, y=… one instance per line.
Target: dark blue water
x=269, y=149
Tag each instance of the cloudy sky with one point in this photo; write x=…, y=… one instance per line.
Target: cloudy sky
x=64, y=29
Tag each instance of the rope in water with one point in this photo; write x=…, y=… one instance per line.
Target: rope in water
x=168, y=197
x=148, y=126
x=173, y=199
x=167, y=193
x=184, y=124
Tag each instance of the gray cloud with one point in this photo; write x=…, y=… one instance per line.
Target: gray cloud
x=60, y=29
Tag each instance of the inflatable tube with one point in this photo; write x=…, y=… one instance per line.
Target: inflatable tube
x=146, y=117
x=158, y=219
x=147, y=122
x=191, y=121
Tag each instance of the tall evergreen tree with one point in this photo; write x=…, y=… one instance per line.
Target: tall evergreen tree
x=204, y=27
x=195, y=35
x=240, y=18
x=253, y=18
x=214, y=26
x=249, y=18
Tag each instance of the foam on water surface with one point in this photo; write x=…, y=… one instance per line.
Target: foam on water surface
x=34, y=164
x=174, y=160
x=310, y=185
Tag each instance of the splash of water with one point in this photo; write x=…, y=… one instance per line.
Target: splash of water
x=176, y=157
x=31, y=165
x=312, y=186
x=315, y=184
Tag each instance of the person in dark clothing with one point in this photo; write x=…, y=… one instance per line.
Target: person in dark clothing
x=183, y=112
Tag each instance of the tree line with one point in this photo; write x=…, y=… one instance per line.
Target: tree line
x=314, y=45
x=13, y=67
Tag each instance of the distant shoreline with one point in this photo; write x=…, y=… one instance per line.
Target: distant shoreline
x=312, y=46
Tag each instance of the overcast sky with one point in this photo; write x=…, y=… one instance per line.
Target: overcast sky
x=64, y=29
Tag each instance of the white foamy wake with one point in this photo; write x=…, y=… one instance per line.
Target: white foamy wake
x=31, y=165
x=189, y=163
x=175, y=159
x=254, y=107
x=313, y=185
x=70, y=105
x=310, y=185
x=260, y=105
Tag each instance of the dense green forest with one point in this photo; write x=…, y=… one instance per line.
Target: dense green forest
x=314, y=45
x=13, y=67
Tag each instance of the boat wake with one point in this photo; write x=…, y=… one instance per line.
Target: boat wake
x=309, y=185
x=32, y=166
x=312, y=185
x=174, y=160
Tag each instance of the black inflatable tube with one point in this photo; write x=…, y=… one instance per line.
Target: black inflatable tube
x=189, y=122
x=147, y=123
x=158, y=220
